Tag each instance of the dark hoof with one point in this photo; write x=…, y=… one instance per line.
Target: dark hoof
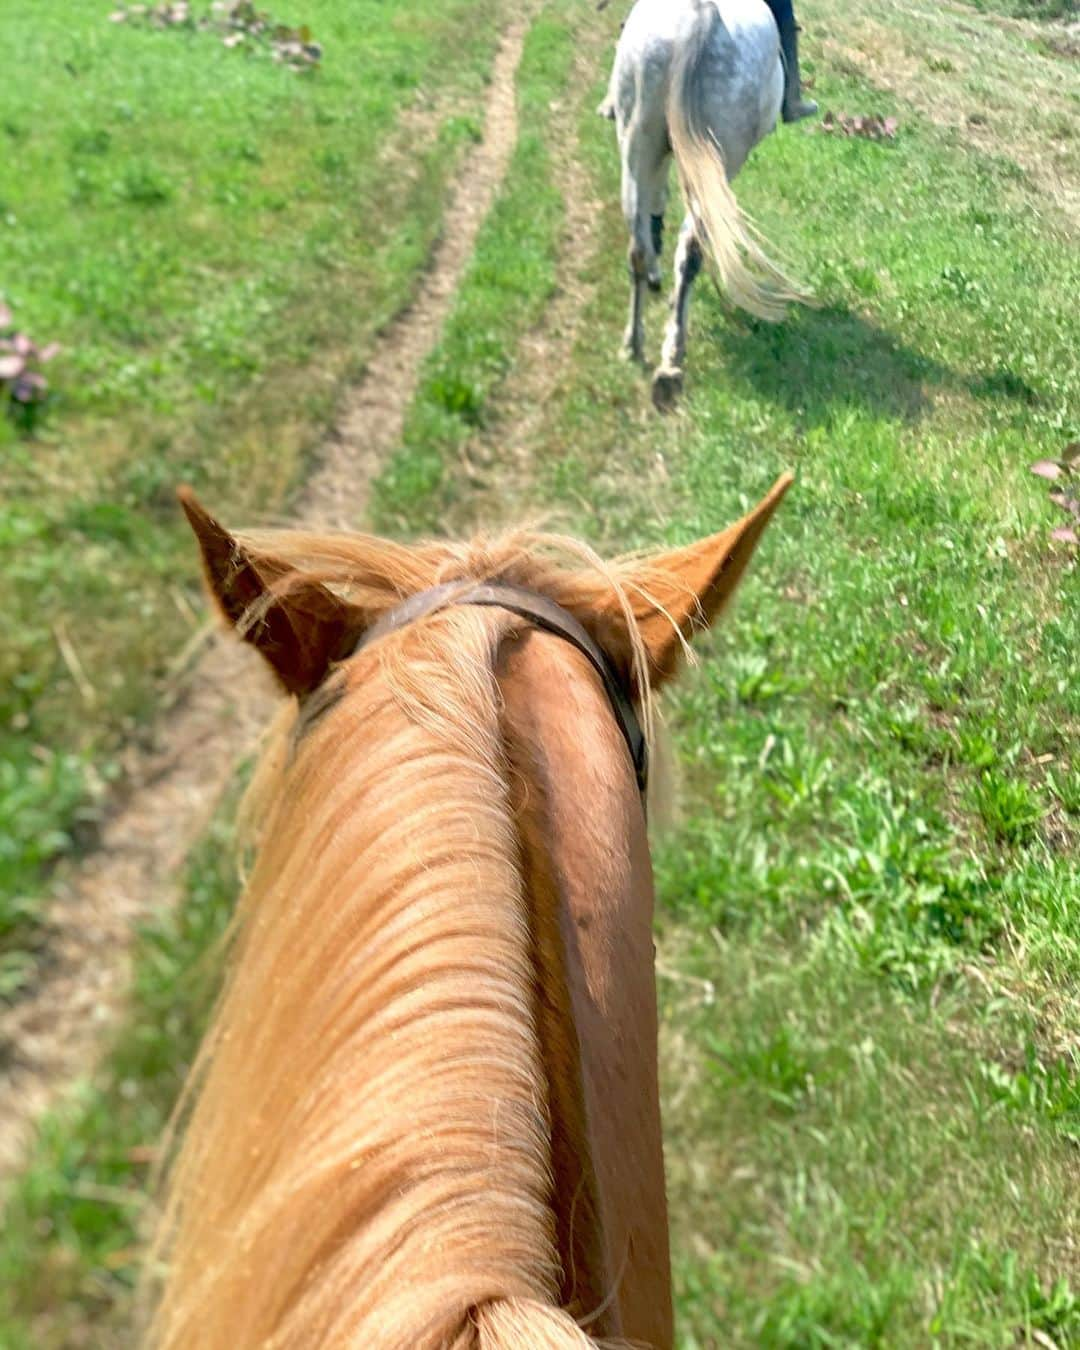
x=667, y=385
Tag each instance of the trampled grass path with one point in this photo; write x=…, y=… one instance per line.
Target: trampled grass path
x=174, y=789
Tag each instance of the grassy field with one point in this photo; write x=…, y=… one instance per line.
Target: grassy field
x=1032, y=9
x=869, y=938
x=184, y=219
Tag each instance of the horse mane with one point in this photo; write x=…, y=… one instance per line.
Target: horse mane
x=366, y=1154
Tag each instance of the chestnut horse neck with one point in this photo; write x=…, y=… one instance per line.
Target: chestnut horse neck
x=588, y=879
x=426, y=1113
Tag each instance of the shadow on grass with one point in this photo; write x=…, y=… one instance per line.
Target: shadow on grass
x=822, y=360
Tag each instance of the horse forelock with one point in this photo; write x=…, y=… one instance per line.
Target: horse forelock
x=379, y=574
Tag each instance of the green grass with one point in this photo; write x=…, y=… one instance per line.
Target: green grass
x=69, y=1245
x=844, y=1219
x=1031, y=9
x=201, y=231
x=869, y=933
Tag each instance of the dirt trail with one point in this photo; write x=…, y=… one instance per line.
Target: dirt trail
x=58, y=1030
x=501, y=462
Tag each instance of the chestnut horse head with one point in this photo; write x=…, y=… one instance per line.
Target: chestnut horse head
x=426, y=1113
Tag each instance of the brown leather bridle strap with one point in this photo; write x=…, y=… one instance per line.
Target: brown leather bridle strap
x=545, y=614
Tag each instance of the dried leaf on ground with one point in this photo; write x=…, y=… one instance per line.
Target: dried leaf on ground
x=870, y=126
x=1067, y=496
x=1067, y=502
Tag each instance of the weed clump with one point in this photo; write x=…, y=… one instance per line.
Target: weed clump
x=237, y=22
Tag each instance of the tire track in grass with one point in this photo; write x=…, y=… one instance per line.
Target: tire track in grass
x=503, y=465
x=52, y=1037
x=492, y=475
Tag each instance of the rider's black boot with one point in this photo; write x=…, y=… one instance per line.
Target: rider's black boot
x=795, y=107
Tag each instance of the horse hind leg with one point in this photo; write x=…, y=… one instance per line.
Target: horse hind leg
x=658, y=195
x=637, y=198
x=633, y=345
x=668, y=379
x=656, y=229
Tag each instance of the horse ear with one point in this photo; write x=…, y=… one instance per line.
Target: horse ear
x=299, y=626
x=680, y=593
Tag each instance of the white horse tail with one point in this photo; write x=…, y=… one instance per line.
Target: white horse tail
x=752, y=280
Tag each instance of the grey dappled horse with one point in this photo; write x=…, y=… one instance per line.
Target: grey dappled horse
x=700, y=81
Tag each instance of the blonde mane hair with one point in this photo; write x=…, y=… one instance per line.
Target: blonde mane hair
x=366, y=1159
